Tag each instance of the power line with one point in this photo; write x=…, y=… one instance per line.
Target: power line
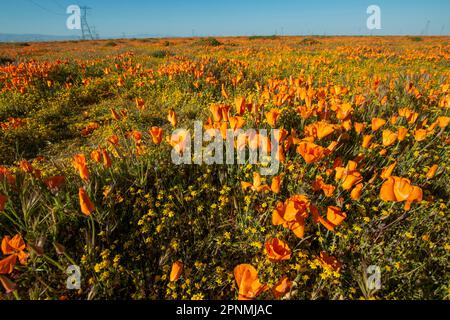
x=45, y=9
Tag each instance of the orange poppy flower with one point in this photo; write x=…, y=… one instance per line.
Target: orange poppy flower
x=276, y=184
x=240, y=105
x=277, y=250
x=319, y=130
x=410, y=115
x=14, y=249
x=334, y=218
x=247, y=281
x=236, y=123
x=311, y=152
x=329, y=262
x=179, y=141
x=366, y=141
x=172, y=117
x=401, y=133
x=140, y=103
x=292, y=214
x=356, y=192
x=96, y=155
x=377, y=123
x=114, y=140
x=6, y=174
x=348, y=176
x=389, y=137
x=54, y=182
x=272, y=117
x=359, y=127
x=107, y=162
x=430, y=174
x=25, y=166
x=216, y=112
x=443, y=121
x=87, y=207
x=319, y=184
x=136, y=135
x=3, y=200
x=343, y=111
x=79, y=162
x=282, y=287
x=157, y=134
x=256, y=185
x=387, y=172
x=420, y=134
x=400, y=189
x=176, y=271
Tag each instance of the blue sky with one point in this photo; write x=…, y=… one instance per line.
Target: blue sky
x=227, y=17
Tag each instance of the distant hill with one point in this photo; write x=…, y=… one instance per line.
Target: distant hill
x=9, y=37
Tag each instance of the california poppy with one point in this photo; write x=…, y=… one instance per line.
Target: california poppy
x=256, y=185
x=107, y=162
x=430, y=174
x=54, y=182
x=443, y=121
x=176, y=271
x=276, y=184
x=114, y=140
x=348, y=176
x=335, y=216
x=172, y=117
x=247, y=281
x=86, y=205
x=179, y=141
x=319, y=184
x=272, y=117
x=356, y=192
x=389, y=137
x=277, y=250
x=329, y=262
x=377, y=123
x=3, y=200
x=140, y=103
x=25, y=166
x=292, y=214
x=400, y=189
x=216, y=112
x=311, y=152
x=79, y=162
x=240, y=105
x=359, y=127
x=401, y=133
x=366, y=141
x=282, y=287
x=420, y=134
x=319, y=130
x=156, y=133
x=96, y=155
x=13, y=249
x=387, y=172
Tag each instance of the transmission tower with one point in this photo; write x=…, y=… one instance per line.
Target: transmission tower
x=425, y=30
x=86, y=33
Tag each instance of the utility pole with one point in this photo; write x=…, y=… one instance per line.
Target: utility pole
x=85, y=29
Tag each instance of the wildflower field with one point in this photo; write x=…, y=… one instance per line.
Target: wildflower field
x=93, y=207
